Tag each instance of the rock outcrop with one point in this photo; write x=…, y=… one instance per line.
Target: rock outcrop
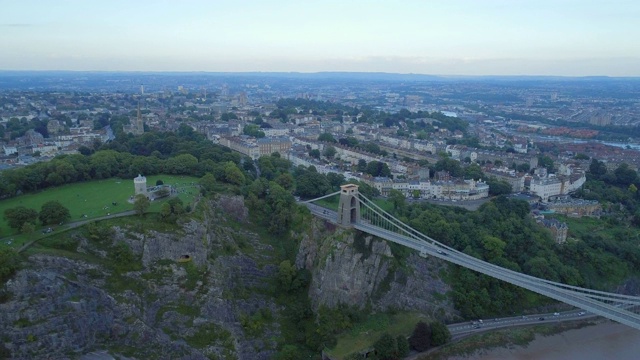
x=64, y=307
x=353, y=268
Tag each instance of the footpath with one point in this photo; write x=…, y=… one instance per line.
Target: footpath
x=76, y=224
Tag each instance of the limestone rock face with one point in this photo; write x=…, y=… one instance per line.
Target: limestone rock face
x=63, y=308
x=353, y=268
x=192, y=241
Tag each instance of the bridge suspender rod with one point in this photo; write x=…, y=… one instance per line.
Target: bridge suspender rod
x=594, y=294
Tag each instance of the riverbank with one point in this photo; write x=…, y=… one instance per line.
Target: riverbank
x=605, y=340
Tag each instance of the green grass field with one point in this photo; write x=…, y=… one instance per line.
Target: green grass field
x=93, y=199
x=579, y=227
x=363, y=335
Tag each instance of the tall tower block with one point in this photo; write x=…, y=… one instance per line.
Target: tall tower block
x=349, y=206
x=139, y=122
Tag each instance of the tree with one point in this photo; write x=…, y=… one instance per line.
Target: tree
x=165, y=211
x=9, y=263
x=253, y=130
x=17, y=216
x=311, y=185
x=498, y=187
x=546, y=162
x=329, y=152
x=27, y=228
x=362, y=165
x=403, y=346
x=397, y=199
x=289, y=352
x=440, y=334
x=184, y=164
x=597, y=169
x=335, y=180
x=625, y=175
x=280, y=205
x=327, y=137
x=286, y=274
x=177, y=206
x=378, y=168
x=141, y=204
x=208, y=182
x=524, y=167
x=450, y=165
x=386, y=347
x=314, y=153
x=232, y=174
x=122, y=256
x=493, y=247
x=473, y=171
x=420, y=340
x=285, y=180
x=53, y=212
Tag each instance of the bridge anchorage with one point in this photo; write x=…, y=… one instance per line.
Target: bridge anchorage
x=358, y=212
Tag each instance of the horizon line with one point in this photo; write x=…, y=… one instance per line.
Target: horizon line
x=316, y=73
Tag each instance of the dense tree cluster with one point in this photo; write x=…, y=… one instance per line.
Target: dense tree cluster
x=182, y=153
x=501, y=232
x=426, y=336
x=294, y=106
x=9, y=263
x=51, y=212
x=619, y=186
x=389, y=348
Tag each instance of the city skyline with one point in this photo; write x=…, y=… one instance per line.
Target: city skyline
x=461, y=37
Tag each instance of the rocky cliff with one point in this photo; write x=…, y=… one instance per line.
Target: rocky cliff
x=353, y=268
x=68, y=303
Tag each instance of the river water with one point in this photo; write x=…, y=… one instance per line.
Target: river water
x=606, y=340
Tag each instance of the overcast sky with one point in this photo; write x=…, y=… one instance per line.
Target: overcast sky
x=444, y=37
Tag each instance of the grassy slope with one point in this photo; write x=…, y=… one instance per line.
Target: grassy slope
x=363, y=335
x=93, y=198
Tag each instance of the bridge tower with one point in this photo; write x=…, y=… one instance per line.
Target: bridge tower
x=349, y=205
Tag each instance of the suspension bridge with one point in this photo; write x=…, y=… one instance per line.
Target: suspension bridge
x=358, y=212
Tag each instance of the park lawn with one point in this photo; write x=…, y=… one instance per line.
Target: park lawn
x=363, y=335
x=94, y=199
x=579, y=227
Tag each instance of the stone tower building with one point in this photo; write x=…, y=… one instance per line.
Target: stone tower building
x=140, y=185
